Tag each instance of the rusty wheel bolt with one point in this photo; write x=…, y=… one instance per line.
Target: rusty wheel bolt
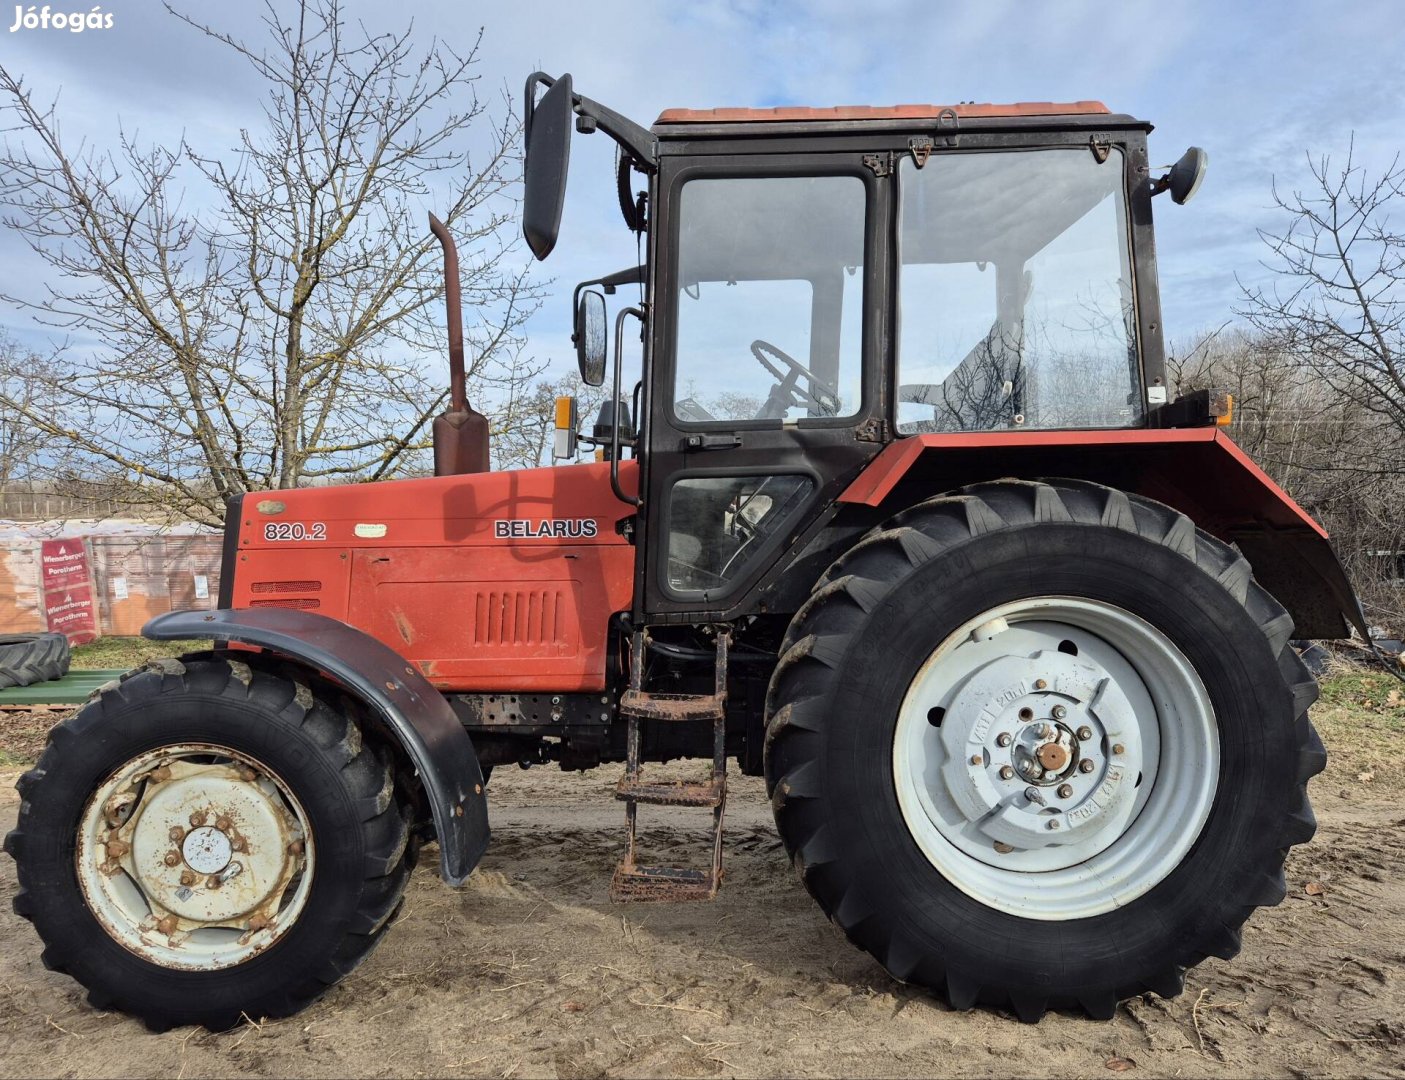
x=1007, y=773
x=198, y=818
x=1117, y=748
x=247, y=774
x=117, y=848
x=1002, y=848
x=1065, y=791
x=167, y=925
x=173, y=858
x=1053, y=824
x=177, y=833
x=1003, y=739
x=976, y=759
x=239, y=844
x=1059, y=712
x=1040, y=684
x=1085, y=766
x=260, y=922
x=159, y=776
x=1085, y=733
x=187, y=878
x=296, y=847
x=212, y=882
x=224, y=822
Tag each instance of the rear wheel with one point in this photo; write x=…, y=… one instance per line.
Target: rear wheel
x=1041, y=745
x=206, y=841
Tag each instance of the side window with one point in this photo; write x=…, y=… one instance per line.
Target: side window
x=717, y=525
x=1015, y=293
x=770, y=299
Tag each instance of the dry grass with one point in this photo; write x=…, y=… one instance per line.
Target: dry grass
x=1361, y=718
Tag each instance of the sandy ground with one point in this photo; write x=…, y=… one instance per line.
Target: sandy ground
x=530, y=971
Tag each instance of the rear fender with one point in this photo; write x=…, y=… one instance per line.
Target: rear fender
x=1198, y=471
x=436, y=743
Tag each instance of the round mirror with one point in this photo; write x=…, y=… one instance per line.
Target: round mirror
x=591, y=334
x=1186, y=174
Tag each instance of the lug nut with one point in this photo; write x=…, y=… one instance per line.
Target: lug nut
x=1085, y=765
x=1002, y=848
x=173, y=858
x=976, y=759
x=1003, y=739
x=167, y=925
x=198, y=819
x=187, y=878
x=1117, y=748
x=1059, y=712
x=239, y=844
x=1040, y=684
x=224, y=823
x=1006, y=773
x=1032, y=794
x=1065, y=791
x=177, y=833
x=1053, y=824
x=1085, y=733
x=212, y=882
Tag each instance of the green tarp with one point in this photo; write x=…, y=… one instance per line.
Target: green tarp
x=72, y=689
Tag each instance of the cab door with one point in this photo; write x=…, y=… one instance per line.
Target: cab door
x=764, y=397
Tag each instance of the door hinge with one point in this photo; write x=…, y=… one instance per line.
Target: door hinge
x=872, y=430
x=921, y=147
x=881, y=164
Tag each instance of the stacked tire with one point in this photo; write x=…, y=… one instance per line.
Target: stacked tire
x=26, y=659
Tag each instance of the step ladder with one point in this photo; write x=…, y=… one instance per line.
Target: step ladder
x=633, y=882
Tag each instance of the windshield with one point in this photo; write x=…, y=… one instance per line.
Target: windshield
x=770, y=298
x=1015, y=296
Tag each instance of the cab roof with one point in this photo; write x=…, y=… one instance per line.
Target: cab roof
x=965, y=110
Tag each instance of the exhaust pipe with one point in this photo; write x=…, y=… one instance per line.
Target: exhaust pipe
x=460, y=432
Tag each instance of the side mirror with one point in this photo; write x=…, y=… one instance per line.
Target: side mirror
x=1183, y=181
x=548, y=137
x=590, y=336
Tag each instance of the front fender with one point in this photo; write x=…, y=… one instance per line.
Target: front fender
x=418, y=714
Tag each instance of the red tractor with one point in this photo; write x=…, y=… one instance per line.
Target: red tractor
x=898, y=513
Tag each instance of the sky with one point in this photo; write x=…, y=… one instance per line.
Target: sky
x=1260, y=85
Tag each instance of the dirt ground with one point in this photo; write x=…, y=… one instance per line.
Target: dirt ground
x=530, y=971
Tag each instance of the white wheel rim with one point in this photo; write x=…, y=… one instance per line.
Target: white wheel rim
x=195, y=857
x=999, y=693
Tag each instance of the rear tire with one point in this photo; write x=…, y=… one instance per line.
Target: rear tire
x=906, y=598
x=280, y=758
x=26, y=659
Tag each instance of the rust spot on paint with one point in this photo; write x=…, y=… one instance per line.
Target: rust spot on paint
x=407, y=632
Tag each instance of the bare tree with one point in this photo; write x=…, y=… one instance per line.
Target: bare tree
x=1338, y=303
x=21, y=443
x=265, y=311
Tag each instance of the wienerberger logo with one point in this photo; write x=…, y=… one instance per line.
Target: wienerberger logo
x=45, y=18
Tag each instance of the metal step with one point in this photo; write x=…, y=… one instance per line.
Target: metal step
x=711, y=792
x=663, y=884
x=646, y=706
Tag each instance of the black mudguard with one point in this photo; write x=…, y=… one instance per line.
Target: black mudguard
x=422, y=720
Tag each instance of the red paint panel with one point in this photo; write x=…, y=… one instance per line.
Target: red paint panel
x=1197, y=470
x=499, y=581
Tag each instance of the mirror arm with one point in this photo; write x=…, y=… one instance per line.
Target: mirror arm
x=632, y=500
x=632, y=276
x=636, y=141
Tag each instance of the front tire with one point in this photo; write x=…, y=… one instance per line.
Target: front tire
x=1090, y=647
x=205, y=841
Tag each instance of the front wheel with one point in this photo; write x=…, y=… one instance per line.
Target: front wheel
x=1041, y=745
x=206, y=841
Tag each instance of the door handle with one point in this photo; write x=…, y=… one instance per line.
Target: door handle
x=711, y=442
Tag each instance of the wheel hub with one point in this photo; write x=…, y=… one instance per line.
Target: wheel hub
x=1013, y=769
x=194, y=856
x=1055, y=757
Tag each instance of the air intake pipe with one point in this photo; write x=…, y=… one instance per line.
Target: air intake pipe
x=460, y=432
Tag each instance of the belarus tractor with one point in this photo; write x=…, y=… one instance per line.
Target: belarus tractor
x=898, y=512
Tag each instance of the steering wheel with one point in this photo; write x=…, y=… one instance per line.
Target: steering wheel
x=821, y=397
